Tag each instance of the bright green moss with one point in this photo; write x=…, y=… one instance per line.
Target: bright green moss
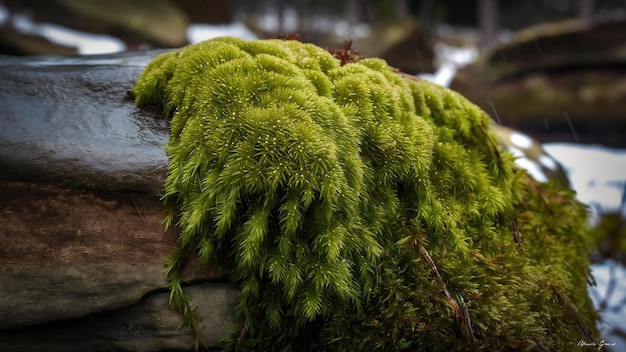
x=362, y=210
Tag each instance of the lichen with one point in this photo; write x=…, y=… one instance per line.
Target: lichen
x=361, y=210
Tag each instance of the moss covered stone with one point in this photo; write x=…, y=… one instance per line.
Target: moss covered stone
x=361, y=210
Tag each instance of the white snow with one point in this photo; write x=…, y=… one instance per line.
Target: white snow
x=548, y=162
x=452, y=58
x=4, y=15
x=88, y=43
x=198, y=32
x=85, y=43
x=597, y=173
x=521, y=140
x=610, y=302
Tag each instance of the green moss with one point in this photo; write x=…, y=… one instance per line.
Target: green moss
x=362, y=210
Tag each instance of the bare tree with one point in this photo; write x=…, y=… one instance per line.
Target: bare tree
x=401, y=9
x=353, y=11
x=586, y=11
x=488, y=17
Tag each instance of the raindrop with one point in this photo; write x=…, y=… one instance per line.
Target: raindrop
x=494, y=110
x=503, y=57
x=419, y=60
x=571, y=127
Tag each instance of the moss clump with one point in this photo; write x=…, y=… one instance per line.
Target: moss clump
x=362, y=210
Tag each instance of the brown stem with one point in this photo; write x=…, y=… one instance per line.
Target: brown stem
x=462, y=315
x=570, y=308
x=518, y=239
x=242, y=335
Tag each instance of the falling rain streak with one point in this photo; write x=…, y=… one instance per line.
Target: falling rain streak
x=503, y=56
x=571, y=127
x=538, y=48
x=494, y=111
x=419, y=60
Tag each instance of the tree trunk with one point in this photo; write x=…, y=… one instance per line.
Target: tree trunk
x=488, y=17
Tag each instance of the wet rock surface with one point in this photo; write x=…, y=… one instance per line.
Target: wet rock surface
x=70, y=120
x=84, y=248
x=145, y=326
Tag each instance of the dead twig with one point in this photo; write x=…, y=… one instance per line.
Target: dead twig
x=242, y=335
x=518, y=239
x=347, y=54
x=572, y=310
x=462, y=315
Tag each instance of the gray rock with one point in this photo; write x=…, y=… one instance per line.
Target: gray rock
x=146, y=326
x=70, y=121
x=81, y=170
x=70, y=255
x=559, y=82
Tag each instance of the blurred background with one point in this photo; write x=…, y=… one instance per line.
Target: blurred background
x=553, y=69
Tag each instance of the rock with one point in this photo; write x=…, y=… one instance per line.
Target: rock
x=70, y=254
x=209, y=11
x=563, y=81
x=405, y=46
x=159, y=22
x=70, y=121
x=340, y=182
x=531, y=156
x=564, y=44
x=83, y=254
x=146, y=326
x=16, y=43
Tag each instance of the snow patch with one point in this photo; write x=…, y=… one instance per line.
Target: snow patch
x=85, y=43
x=198, y=32
x=597, y=174
x=521, y=140
x=548, y=162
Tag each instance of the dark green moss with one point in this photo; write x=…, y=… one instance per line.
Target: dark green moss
x=364, y=210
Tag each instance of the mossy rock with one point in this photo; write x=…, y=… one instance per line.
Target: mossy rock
x=560, y=81
x=359, y=209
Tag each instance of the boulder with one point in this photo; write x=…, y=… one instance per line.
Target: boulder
x=404, y=45
x=84, y=248
x=79, y=262
x=352, y=196
x=561, y=81
x=70, y=121
x=160, y=23
x=145, y=326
